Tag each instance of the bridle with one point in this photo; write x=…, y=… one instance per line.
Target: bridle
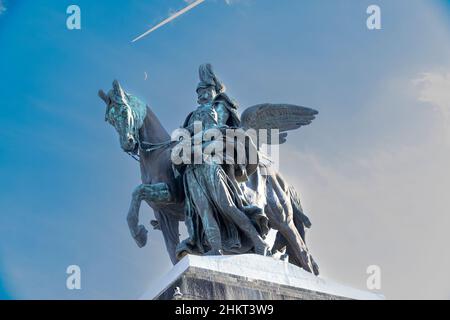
x=147, y=147
x=139, y=112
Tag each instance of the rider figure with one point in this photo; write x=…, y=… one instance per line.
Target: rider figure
x=218, y=218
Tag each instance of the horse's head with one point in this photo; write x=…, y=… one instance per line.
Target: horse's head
x=126, y=114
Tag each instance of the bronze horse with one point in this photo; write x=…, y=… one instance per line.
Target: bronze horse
x=142, y=134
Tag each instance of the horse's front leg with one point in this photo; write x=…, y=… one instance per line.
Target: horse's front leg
x=158, y=192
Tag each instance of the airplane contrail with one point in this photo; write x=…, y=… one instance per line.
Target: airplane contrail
x=172, y=17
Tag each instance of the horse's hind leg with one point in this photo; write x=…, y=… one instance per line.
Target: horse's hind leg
x=287, y=235
x=297, y=247
x=290, y=235
x=280, y=243
x=300, y=227
x=281, y=208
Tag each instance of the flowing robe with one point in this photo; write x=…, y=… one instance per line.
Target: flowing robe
x=212, y=192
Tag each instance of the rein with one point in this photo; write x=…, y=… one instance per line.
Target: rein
x=148, y=147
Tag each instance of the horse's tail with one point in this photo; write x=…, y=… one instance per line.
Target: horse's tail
x=299, y=216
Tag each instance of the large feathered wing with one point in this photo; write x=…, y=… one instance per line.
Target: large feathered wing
x=283, y=117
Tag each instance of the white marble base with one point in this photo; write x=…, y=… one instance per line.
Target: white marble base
x=251, y=268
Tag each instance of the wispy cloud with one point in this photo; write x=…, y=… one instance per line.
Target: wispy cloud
x=385, y=207
x=434, y=88
x=2, y=7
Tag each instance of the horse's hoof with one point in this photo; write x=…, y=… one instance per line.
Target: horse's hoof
x=155, y=224
x=263, y=250
x=315, y=267
x=214, y=253
x=284, y=257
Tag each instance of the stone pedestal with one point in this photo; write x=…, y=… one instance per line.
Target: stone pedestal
x=247, y=277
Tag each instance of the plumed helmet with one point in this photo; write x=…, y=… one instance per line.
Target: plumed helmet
x=209, y=79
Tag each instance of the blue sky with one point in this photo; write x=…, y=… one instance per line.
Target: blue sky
x=65, y=183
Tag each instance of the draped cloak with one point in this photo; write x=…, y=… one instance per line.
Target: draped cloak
x=217, y=185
